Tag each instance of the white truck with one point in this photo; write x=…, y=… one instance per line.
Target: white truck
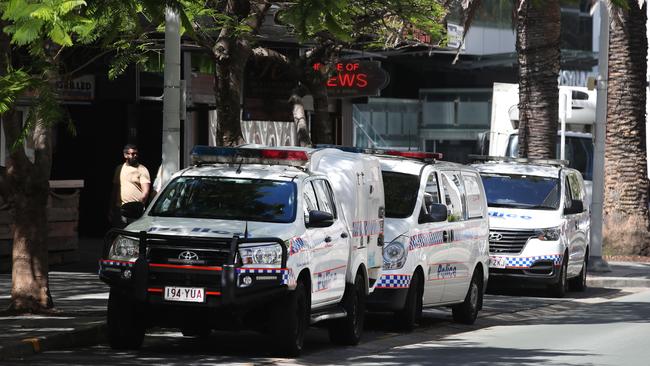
x=267, y=239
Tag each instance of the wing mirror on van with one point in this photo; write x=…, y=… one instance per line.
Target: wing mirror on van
x=576, y=207
x=132, y=210
x=437, y=212
x=320, y=219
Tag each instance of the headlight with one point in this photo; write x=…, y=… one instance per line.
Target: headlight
x=124, y=249
x=551, y=233
x=395, y=253
x=270, y=254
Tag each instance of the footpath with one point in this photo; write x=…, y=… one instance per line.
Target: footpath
x=80, y=299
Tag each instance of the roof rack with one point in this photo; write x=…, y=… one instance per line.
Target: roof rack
x=507, y=159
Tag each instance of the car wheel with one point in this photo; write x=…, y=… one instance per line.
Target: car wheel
x=348, y=330
x=580, y=283
x=406, y=318
x=467, y=311
x=125, y=324
x=291, y=319
x=558, y=289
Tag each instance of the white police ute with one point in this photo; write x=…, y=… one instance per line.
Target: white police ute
x=266, y=239
x=539, y=223
x=436, y=231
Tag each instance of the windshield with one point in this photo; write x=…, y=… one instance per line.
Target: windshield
x=521, y=191
x=579, y=151
x=228, y=199
x=401, y=193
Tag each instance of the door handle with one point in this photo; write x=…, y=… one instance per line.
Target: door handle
x=344, y=235
x=328, y=239
x=445, y=236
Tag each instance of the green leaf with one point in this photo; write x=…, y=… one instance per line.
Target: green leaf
x=60, y=36
x=27, y=32
x=70, y=5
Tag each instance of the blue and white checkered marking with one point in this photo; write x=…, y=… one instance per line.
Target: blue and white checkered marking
x=296, y=245
x=526, y=262
x=394, y=281
x=425, y=240
x=283, y=272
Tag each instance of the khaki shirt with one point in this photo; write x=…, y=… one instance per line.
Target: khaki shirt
x=130, y=180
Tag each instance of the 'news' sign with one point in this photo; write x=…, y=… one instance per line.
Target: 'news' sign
x=352, y=79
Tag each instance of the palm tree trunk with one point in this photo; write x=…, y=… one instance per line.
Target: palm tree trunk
x=625, y=207
x=538, y=50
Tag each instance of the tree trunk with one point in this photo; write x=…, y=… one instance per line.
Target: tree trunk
x=299, y=118
x=231, y=57
x=322, y=126
x=625, y=207
x=30, y=187
x=538, y=50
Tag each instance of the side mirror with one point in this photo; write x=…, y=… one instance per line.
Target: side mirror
x=576, y=207
x=437, y=212
x=132, y=210
x=320, y=219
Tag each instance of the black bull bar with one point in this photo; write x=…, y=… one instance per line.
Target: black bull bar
x=140, y=270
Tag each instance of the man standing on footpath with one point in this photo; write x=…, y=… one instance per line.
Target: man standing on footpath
x=131, y=183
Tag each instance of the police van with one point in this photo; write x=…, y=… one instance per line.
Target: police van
x=436, y=232
x=264, y=239
x=539, y=222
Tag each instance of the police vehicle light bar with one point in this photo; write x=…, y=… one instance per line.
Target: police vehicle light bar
x=420, y=155
x=232, y=155
x=507, y=159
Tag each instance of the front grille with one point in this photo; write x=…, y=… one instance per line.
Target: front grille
x=208, y=280
x=509, y=241
x=172, y=255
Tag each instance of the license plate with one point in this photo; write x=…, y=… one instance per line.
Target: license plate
x=186, y=294
x=498, y=262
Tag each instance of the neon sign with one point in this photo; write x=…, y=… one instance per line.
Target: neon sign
x=355, y=79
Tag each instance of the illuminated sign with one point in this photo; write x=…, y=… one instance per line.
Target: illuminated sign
x=353, y=78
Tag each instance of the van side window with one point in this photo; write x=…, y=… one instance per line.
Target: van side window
x=567, y=193
x=432, y=189
x=575, y=187
x=324, y=195
x=473, y=195
x=454, y=196
x=310, y=200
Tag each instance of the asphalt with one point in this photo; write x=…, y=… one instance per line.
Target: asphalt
x=80, y=300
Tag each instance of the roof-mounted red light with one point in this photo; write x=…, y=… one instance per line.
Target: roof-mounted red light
x=420, y=155
x=284, y=155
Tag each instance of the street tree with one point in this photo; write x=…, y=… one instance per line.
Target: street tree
x=35, y=38
x=626, y=225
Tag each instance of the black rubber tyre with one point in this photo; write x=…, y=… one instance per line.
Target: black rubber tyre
x=467, y=311
x=406, y=318
x=196, y=332
x=125, y=323
x=580, y=283
x=291, y=319
x=347, y=331
x=559, y=288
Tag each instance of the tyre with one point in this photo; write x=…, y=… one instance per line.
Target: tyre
x=125, y=323
x=580, y=283
x=467, y=311
x=558, y=289
x=347, y=331
x=406, y=318
x=196, y=332
x=291, y=319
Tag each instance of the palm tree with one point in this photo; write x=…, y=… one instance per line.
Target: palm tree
x=625, y=208
x=538, y=55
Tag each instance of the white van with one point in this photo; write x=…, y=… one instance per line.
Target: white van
x=267, y=239
x=539, y=223
x=436, y=231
